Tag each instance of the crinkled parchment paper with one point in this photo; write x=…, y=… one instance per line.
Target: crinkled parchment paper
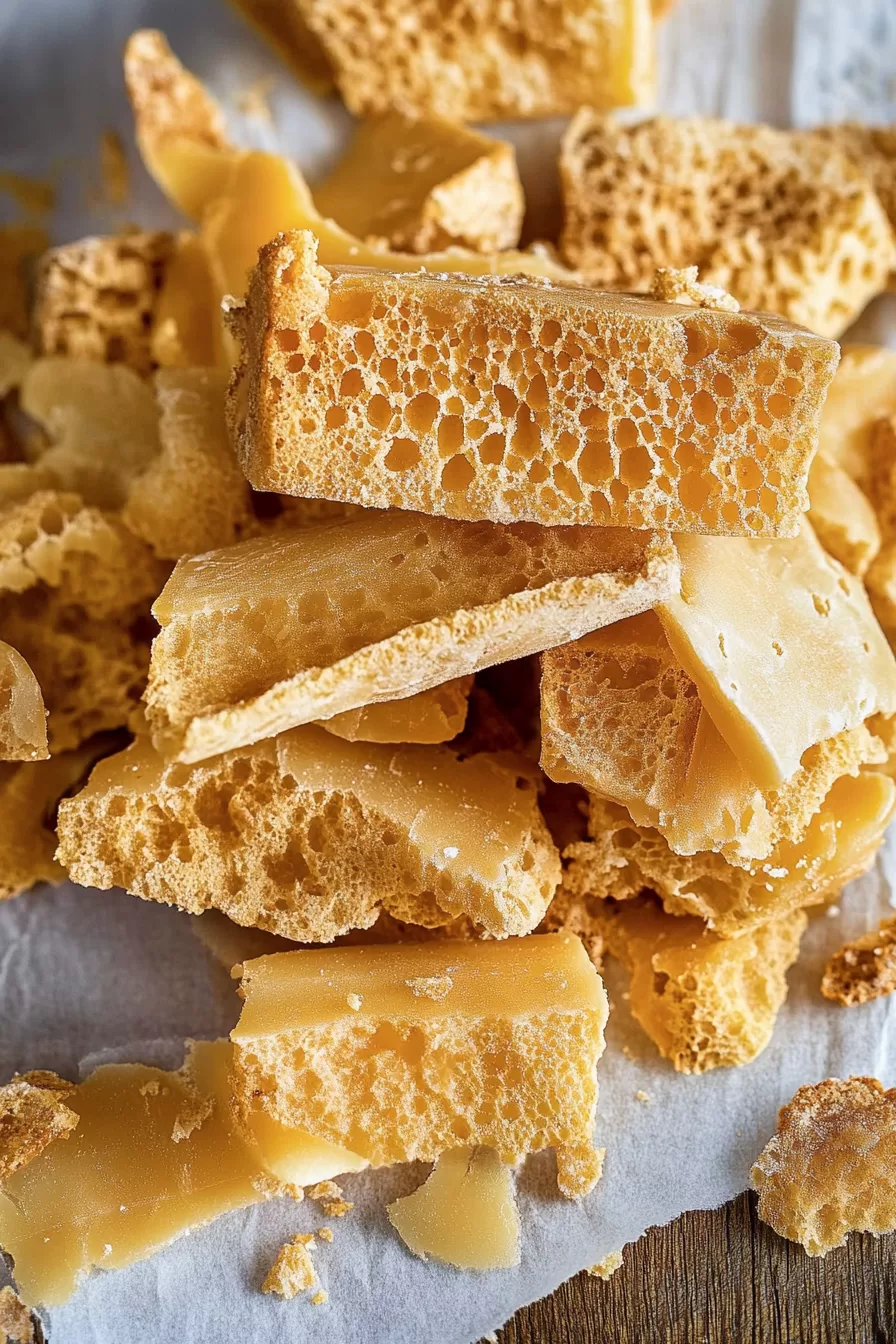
x=88, y=975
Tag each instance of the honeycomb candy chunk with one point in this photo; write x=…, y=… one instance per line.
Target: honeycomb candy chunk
x=782, y=644
x=425, y=185
x=289, y=628
x=838, y=844
x=283, y=26
x=464, y=1214
x=23, y=718
x=831, y=1167
x=706, y=1002
x=785, y=223
x=515, y=400
x=128, y=1179
x=481, y=64
x=33, y=1114
x=864, y=969
x=348, y=829
x=96, y=298
x=507, y=1059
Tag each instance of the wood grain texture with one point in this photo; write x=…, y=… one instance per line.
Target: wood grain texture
x=723, y=1277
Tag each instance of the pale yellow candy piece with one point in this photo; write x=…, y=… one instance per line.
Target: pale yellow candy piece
x=23, y=717
x=506, y=1058
x=422, y=184
x=782, y=644
x=122, y=1186
x=842, y=516
x=102, y=424
x=464, y=1213
x=431, y=716
x=186, y=331
x=286, y=629
x=863, y=391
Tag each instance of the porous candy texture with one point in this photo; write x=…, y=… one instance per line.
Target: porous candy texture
x=311, y=859
x=864, y=969
x=96, y=298
x=75, y=588
x=286, y=629
x=31, y=1117
x=622, y=860
x=402, y=1091
x=471, y=61
x=783, y=221
x=707, y=1002
x=510, y=400
x=831, y=1167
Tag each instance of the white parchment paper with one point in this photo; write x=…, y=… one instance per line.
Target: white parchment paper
x=87, y=976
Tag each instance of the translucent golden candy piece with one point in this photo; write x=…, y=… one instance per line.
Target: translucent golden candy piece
x=507, y=1059
x=186, y=329
x=464, y=1213
x=348, y=829
x=621, y=717
x=23, y=718
x=706, y=1002
x=511, y=400
x=289, y=628
x=863, y=391
x=245, y=197
x=437, y=715
x=122, y=1185
x=787, y=224
x=33, y=1114
x=842, y=516
x=479, y=64
x=831, y=1167
x=101, y=421
x=839, y=843
x=96, y=299
x=864, y=969
x=423, y=185
x=782, y=644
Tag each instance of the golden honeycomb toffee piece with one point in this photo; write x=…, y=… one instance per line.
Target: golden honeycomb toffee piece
x=782, y=644
x=515, y=400
x=431, y=716
x=310, y=836
x=403, y=1052
x=425, y=184
x=153, y=1154
x=285, y=629
x=23, y=718
x=464, y=1214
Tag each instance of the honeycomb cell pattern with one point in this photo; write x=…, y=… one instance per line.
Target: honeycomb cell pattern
x=514, y=401
x=466, y=60
x=781, y=219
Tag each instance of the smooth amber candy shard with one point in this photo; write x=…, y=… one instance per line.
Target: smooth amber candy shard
x=431, y=716
x=289, y=628
x=132, y=1176
x=787, y=224
x=464, y=1214
x=706, y=1002
x=506, y=1059
x=838, y=844
x=842, y=516
x=513, y=400
x=755, y=625
x=23, y=718
x=831, y=1167
x=621, y=717
x=472, y=65
x=349, y=829
x=420, y=185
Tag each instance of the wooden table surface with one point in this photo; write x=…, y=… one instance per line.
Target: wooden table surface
x=723, y=1277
